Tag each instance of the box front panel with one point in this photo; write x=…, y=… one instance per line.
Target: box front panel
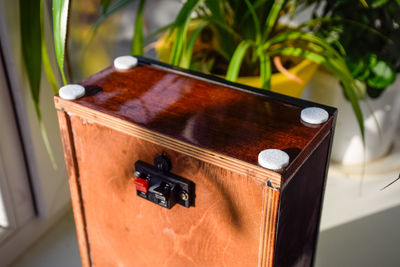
x=224, y=228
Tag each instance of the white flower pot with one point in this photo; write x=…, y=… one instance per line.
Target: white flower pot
x=348, y=148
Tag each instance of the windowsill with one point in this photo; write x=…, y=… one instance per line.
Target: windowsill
x=348, y=197
x=58, y=247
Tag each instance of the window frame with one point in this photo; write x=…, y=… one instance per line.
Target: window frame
x=15, y=192
x=48, y=186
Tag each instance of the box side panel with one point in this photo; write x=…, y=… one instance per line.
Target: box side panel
x=73, y=179
x=223, y=229
x=300, y=210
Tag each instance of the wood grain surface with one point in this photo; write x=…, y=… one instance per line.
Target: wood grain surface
x=256, y=172
x=208, y=116
x=227, y=226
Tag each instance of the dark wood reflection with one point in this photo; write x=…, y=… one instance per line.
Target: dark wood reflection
x=210, y=116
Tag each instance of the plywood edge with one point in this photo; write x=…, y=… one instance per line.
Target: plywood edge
x=268, y=227
x=257, y=173
x=73, y=179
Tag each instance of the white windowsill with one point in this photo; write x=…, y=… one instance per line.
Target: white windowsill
x=57, y=247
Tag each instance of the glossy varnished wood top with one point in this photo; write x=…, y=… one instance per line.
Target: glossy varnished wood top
x=208, y=115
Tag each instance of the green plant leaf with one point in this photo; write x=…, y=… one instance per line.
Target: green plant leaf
x=137, y=42
x=225, y=31
x=265, y=70
x=364, y=3
x=48, y=68
x=299, y=52
x=319, y=52
x=377, y=3
x=158, y=32
x=45, y=55
x=104, y=4
x=215, y=9
x=352, y=97
x=60, y=25
x=382, y=75
x=320, y=20
x=227, y=34
x=187, y=54
x=272, y=17
x=256, y=4
x=344, y=23
x=47, y=144
x=372, y=60
x=181, y=25
x=351, y=89
x=31, y=42
x=255, y=20
x=236, y=61
x=359, y=68
x=185, y=12
x=52, y=81
x=32, y=46
x=225, y=27
x=293, y=35
x=106, y=9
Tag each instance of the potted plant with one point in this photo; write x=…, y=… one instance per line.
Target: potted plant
x=247, y=40
x=370, y=35
x=244, y=41
x=216, y=29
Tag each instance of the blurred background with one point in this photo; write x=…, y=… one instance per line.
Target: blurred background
x=359, y=220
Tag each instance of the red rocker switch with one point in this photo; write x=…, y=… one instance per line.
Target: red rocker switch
x=142, y=185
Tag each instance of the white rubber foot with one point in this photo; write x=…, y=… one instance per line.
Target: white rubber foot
x=314, y=115
x=273, y=159
x=71, y=91
x=125, y=62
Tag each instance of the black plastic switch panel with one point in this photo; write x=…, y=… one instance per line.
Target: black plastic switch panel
x=164, y=188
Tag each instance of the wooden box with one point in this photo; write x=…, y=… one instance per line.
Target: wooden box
x=212, y=131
